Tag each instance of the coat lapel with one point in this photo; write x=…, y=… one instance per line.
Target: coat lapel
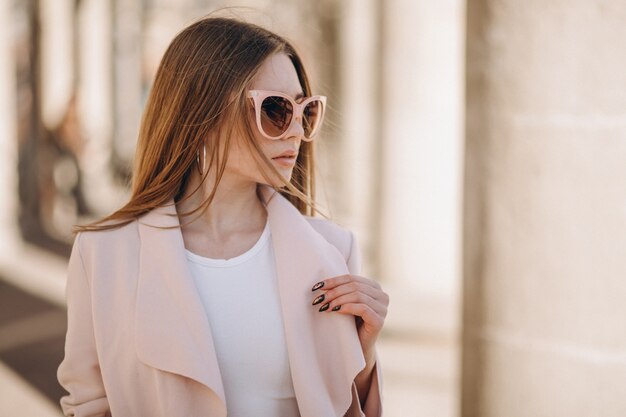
x=173, y=333
x=324, y=350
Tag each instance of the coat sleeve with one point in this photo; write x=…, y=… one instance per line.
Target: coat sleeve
x=373, y=406
x=79, y=372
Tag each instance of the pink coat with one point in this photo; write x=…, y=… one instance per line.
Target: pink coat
x=139, y=343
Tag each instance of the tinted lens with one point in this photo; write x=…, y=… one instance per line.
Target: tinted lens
x=311, y=117
x=276, y=114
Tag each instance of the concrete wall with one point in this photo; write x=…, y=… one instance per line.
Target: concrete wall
x=545, y=209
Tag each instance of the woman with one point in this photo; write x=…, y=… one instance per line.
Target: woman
x=251, y=308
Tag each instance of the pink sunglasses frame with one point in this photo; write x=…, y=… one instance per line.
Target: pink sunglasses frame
x=258, y=96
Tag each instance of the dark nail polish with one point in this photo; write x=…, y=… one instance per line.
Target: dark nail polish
x=319, y=299
x=318, y=286
x=325, y=307
x=335, y=308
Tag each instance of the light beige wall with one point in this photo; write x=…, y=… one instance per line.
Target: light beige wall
x=545, y=209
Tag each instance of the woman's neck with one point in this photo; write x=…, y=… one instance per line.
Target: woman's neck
x=235, y=208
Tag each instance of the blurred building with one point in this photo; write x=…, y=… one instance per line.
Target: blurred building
x=476, y=148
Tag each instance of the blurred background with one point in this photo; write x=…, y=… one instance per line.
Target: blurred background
x=477, y=148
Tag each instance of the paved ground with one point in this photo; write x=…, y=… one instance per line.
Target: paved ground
x=419, y=377
x=32, y=334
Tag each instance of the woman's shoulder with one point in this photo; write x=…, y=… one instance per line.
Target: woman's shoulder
x=340, y=236
x=327, y=225
x=115, y=239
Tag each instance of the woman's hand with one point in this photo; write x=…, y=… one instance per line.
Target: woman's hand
x=365, y=299
x=359, y=296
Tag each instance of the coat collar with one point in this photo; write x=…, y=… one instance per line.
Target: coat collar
x=173, y=334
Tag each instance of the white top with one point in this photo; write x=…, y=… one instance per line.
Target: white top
x=240, y=297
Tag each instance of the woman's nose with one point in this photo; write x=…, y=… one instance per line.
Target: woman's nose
x=296, y=128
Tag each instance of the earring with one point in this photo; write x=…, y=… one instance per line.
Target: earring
x=203, y=159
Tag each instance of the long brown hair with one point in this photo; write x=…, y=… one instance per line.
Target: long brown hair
x=199, y=93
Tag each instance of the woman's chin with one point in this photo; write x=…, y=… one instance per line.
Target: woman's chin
x=281, y=181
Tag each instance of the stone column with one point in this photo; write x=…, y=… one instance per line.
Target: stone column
x=358, y=98
x=127, y=78
x=545, y=209
x=401, y=180
x=9, y=234
x=95, y=86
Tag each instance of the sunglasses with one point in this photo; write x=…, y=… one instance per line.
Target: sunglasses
x=275, y=113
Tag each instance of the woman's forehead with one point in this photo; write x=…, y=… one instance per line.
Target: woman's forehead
x=278, y=74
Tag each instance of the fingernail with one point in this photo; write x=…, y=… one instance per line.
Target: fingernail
x=318, y=286
x=319, y=299
x=335, y=308
x=325, y=307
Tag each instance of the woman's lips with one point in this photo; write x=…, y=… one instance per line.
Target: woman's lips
x=286, y=160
